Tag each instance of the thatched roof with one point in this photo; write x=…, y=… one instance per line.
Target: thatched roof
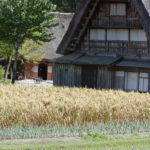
x=63, y=20
x=141, y=6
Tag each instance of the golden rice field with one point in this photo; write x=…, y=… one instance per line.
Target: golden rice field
x=23, y=106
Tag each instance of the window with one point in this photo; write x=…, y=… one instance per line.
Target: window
x=143, y=82
x=117, y=9
x=97, y=34
x=119, y=80
x=35, y=69
x=49, y=69
x=117, y=35
x=131, y=81
x=138, y=35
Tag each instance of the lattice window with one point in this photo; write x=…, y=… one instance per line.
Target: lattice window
x=117, y=34
x=97, y=34
x=117, y=9
x=138, y=35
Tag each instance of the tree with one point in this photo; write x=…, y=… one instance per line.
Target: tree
x=66, y=5
x=31, y=51
x=22, y=20
x=7, y=52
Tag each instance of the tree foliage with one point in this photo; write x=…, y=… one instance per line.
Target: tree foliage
x=22, y=20
x=66, y=5
x=31, y=51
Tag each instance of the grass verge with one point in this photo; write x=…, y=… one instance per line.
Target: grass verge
x=103, y=143
x=109, y=128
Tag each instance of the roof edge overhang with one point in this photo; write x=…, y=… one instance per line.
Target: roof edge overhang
x=143, y=14
x=134, y=63
x=83, y=59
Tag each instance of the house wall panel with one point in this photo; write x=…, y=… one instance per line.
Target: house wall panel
x=102, y=78
x=67, y=75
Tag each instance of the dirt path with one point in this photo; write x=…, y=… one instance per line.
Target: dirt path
x=41, y=140
x=77, y=139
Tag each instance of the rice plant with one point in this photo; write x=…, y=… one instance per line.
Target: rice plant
x=39, y=106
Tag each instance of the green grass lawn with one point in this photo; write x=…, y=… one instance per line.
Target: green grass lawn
x=87, y=143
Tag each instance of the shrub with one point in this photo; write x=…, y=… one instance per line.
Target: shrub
x=2, y=71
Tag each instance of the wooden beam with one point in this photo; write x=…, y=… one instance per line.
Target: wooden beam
x=121, y=1
x=82, y=31
x=115, y=27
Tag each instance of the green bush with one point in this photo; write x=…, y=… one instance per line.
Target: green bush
x=2, y=72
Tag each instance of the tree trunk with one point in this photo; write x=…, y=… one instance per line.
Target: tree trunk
x=15, y=63
x=8, y=67
x=11, y=73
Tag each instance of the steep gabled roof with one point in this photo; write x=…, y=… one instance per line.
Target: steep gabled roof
x=147, y=5
x=63, y=21
x=143, y=9
x=80, y=12
x=141, y=6
x=48, y=49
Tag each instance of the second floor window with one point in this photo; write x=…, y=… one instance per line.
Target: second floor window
x=117, y=9
x=135, y=35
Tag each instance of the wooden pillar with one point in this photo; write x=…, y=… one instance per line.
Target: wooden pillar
x=50, y=67
x=35, y=71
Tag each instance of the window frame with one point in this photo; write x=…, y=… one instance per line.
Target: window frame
x=138, y=32
x=117, y=32
x=127, y=79
x=116, y=6
x=143, y=80
x=98, y=31
x=139, y=77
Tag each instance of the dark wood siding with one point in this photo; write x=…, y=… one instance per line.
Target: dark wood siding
x=92, y=76
x=104, y=78
x=89, y=76
x=102, y=18
x=67, y=75
x=64, y=75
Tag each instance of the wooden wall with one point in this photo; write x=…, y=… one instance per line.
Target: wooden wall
x=102, y=20
x=30, y=71
x=102, y=17
x=105, y=79
x=67, y=75
x=71, y=75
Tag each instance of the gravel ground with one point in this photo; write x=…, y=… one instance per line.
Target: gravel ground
x=35, y=83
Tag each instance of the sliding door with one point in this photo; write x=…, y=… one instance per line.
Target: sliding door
x=131, y=81
x=143, y=82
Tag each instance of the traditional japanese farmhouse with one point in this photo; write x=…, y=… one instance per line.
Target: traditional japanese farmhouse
x=107, y=46
x=44, y=68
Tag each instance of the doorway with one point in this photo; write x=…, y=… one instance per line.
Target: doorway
x=89, y=76
x=42, y=72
